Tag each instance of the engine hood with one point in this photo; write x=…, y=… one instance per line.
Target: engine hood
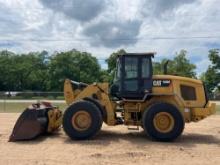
x=171, y=77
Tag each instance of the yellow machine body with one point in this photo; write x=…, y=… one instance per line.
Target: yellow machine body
x=192, y=109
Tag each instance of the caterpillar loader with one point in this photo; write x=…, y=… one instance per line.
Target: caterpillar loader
x=160, y=104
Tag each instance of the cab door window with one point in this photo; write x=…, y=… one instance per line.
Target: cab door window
x=131, y=74
x=145, y=68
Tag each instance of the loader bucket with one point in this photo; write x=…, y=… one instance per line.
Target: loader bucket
x=31, y=123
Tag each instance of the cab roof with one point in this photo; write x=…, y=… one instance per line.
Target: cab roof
x=139, y=54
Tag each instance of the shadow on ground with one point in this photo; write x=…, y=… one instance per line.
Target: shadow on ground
x=140, y=139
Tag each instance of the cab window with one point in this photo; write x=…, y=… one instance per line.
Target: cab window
x=131, y=74
x=145, y=68
x=131, y=67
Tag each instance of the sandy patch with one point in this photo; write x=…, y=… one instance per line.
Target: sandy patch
x=199, y=144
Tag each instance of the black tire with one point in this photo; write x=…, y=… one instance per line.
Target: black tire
x=148, y=122
x=96, y=120
x=99, y=106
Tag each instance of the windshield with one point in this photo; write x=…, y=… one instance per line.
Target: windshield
x=131, y=67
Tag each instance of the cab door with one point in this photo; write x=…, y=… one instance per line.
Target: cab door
x=136, y=77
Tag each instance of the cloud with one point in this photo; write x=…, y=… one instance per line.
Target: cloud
x=113, y=33
x=99, y=31
x=8, y=44
x=162, y=5
x=103, y=26
x=82, y=11
x=10, y=23
x=159, y=7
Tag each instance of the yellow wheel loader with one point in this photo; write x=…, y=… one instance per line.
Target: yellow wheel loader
x=160, y=104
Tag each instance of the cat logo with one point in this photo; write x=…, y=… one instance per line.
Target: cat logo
x=161, y=83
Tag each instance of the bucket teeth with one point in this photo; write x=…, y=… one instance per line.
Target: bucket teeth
x=31, y=123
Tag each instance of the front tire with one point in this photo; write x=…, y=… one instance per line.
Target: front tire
x=163, y=122
x=82, y=120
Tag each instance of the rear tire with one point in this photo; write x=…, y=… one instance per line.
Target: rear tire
x=163, y=122
x=82, y=120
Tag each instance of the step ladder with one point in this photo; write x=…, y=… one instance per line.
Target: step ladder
x=135, y=111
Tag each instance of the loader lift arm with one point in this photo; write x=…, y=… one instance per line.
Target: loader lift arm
x=96, y=91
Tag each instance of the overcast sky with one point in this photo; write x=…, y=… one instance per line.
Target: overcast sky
x=104, y=26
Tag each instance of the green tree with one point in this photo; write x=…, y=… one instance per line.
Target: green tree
x=31, y=71
x=22, y=71
x=212, y=75
x=6, y=68
x=111, y=61
x=39, y=77
x=158, y=67
x=180, y=66
x=75, y=65
x=104, y=76
x=38, y=71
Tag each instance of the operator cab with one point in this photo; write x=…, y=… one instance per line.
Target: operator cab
x=133, y=77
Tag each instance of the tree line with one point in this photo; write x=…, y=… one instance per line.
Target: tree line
x=39, y=71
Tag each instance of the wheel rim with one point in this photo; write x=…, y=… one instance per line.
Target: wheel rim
x=81, y=120
x=163, y=122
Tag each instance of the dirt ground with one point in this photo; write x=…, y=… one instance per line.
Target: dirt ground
x=199, y=144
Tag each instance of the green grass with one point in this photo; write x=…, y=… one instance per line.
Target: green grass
x=20, y=107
